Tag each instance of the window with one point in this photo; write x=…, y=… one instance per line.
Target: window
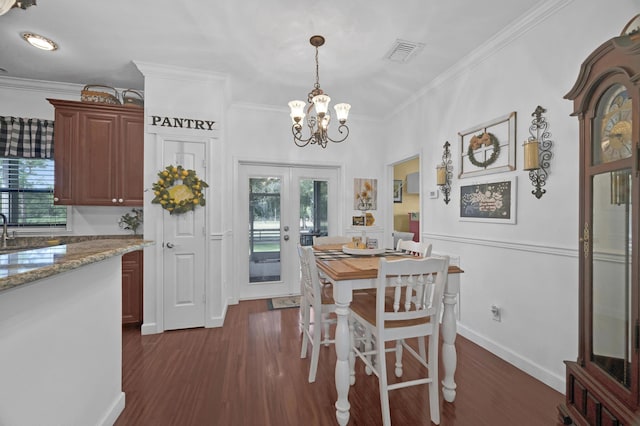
x=26, y=193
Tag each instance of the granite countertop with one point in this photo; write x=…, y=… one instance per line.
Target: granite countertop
x=22, y=267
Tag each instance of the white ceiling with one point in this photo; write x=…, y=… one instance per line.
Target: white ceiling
x=262, y=45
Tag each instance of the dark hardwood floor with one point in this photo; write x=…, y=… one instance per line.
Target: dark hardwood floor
x=249, y=372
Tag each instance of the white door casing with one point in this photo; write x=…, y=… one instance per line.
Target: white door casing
x=281, y=285
x=290, y=177
x=184, y=247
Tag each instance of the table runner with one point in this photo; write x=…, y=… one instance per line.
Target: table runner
x=336, y=254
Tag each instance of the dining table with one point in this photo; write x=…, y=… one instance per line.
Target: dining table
x=350, y=272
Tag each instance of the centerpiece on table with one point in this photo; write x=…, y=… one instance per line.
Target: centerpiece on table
x=363, y=246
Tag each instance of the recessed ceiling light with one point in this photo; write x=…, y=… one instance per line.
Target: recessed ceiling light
x=39, y=41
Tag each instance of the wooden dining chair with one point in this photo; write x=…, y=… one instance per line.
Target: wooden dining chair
x=333, y=239
x=417, y=249
x=317, y=301
x=325, y=240
x=413, y=247
x=410, y=310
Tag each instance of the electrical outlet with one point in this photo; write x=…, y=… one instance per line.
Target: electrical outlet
x=495, y=311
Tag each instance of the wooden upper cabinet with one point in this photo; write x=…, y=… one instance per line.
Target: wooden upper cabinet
x=66, y=125
x=131, y=159
x=98, y=153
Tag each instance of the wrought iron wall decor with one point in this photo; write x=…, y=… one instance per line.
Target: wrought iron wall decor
x=445, y=173
x=537, y=152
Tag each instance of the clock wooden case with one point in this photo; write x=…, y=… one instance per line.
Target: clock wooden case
x=603, y=383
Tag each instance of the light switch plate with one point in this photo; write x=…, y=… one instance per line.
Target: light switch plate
x=433, y=194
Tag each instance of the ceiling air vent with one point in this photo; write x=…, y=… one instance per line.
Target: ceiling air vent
x=402, y=51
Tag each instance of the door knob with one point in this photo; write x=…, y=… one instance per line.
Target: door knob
x=169, y=245
x=286, y=238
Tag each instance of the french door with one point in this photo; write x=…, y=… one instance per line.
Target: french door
x=279, y=207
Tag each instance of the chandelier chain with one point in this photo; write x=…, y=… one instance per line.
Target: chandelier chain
x=317, y=85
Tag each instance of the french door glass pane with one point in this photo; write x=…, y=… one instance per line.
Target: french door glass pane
x=313, y=210
x=611, y=273
x=264, y=229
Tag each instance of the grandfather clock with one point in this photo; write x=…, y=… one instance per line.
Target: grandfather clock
x=602, y=384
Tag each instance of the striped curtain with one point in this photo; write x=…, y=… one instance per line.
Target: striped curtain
x=26, y=137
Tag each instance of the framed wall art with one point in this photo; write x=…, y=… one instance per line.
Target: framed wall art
x=489, y=201
x=488, y=147
x=397, y=191
x=365, y=194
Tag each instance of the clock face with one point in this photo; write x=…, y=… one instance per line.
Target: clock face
x=616, y=129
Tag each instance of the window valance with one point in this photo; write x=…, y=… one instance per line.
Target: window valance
x=26, y=137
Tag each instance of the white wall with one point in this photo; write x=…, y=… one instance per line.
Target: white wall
x=258, y=133
x=61, y=348
x=530, y=269
x=184, y=93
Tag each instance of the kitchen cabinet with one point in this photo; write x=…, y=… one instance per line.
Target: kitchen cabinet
x=413, y=183
x=98, y=153
x=132, y=287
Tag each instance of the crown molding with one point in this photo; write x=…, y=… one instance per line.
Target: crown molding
x=50, y=87
x=500, y=40
x=149, y=69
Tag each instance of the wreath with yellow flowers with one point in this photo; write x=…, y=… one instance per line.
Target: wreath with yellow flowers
x=178, y=190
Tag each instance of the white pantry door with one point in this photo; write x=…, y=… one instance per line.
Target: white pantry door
x=184, y=247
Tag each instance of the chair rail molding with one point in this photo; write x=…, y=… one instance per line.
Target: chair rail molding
x=508, y=245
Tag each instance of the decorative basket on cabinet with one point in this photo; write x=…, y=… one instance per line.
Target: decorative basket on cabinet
x=89, y=94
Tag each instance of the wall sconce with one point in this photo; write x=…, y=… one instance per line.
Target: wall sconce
x=444, y=173
x=537, y=152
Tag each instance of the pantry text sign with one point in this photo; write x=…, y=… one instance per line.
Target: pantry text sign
x=182, y=123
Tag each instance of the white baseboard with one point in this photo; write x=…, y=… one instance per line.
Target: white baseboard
x=213, y=322
x=545, y=376
x=149, y=328
x=114, y=411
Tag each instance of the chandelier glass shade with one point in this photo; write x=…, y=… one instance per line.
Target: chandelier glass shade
x=6, y=5
x=318, y=102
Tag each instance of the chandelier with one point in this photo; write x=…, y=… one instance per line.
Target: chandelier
x=6, y=5
x=318, y=124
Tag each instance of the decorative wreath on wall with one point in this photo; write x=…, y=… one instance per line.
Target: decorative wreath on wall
x=485, y=139
x=178, y=190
